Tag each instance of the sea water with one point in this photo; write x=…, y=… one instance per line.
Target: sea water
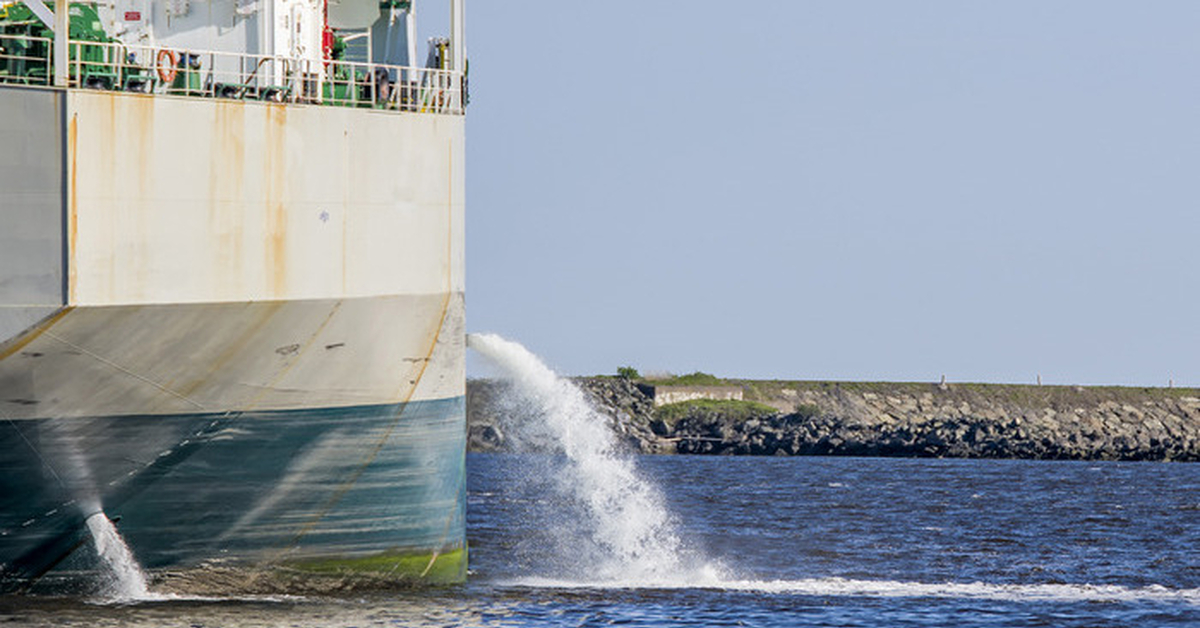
x=819, y=541
x=858, y=541
x=806, y=542
x=584, y=535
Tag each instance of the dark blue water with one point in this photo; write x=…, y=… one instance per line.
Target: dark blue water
x=882, y=542
x=793, y=542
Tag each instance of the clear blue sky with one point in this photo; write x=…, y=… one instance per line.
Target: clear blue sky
x=834, y=189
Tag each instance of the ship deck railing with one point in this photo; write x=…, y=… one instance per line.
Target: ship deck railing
x=25, y=60
x=111, y=66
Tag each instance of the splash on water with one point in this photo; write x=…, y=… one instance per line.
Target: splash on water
x=623, y=516
x=127, y=582
x=842, y=587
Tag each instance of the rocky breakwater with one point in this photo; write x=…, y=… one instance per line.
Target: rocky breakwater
x=899, y=419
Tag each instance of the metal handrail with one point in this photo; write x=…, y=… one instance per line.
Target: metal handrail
x=214, y=74
x=21, y=66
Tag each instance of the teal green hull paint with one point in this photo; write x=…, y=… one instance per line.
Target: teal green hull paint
x=252, y=490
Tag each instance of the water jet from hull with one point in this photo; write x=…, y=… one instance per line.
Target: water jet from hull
x=612, y=526
x=127, y=582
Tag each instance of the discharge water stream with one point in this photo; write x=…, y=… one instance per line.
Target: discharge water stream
x=620, y=514
x=121, y=576
x=127, y=582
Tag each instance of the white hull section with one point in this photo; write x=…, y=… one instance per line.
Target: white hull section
x=178, y=200
x=221, y=256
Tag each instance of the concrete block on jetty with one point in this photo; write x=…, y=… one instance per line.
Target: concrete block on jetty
x=882, y=419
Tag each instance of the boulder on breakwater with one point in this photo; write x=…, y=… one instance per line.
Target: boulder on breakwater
x=879, y=419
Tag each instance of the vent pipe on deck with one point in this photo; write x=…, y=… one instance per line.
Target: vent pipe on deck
x=458, y=38
x=62, y=34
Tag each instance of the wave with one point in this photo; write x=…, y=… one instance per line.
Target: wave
x=841, y=587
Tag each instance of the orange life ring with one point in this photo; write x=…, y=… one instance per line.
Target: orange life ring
x=166, y=73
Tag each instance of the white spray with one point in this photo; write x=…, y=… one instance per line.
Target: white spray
x=124, y=579
x=128, y=581
x=625, y=516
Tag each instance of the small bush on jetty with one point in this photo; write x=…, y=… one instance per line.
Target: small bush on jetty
x=628, y=372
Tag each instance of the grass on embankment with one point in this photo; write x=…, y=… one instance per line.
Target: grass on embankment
x=692, y=379
x=727, y=408
x=778, y=392
x=1031, y=395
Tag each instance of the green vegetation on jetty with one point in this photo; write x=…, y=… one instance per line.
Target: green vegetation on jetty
x=731, y=409
x=691, y=379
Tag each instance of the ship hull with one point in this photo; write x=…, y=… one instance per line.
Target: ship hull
x=367, y=494
x=240, y=337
